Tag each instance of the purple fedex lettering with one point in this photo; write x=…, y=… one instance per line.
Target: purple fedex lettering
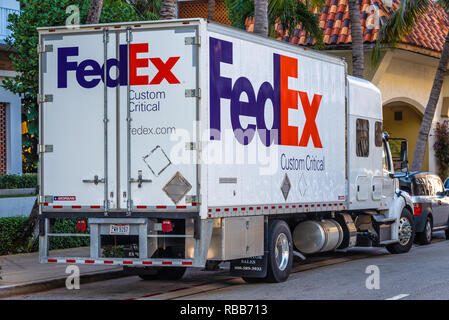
x=221, y=88
x=91, y=68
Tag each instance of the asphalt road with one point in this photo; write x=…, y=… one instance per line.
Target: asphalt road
x=423, y=273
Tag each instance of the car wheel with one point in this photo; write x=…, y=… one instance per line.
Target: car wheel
x=425, y=237
x=406, y=230
x=280, y=256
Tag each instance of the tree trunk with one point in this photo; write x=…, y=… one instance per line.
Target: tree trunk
x=357, y=39
x=210, y=9
x=167, y=9
x=429, y=113
x=93, y=16
x=261, y=17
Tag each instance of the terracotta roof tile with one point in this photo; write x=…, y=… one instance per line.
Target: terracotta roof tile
x=428, y=33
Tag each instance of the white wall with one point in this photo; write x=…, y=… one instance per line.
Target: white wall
x=409, y=78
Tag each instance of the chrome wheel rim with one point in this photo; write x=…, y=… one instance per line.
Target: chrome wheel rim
x=281, y=251
x=428, y=231
x=405, y=231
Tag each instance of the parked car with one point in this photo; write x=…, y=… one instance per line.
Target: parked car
x=430, y=201
x=446, y=183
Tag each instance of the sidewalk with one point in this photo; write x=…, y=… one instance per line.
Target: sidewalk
x=22, y=273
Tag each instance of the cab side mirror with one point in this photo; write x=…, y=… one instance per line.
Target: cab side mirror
x=404, y=161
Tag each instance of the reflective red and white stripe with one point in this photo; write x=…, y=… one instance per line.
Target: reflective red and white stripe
x=164, y=207
x=157, y=207
x=152, y=262
x=55, y=206
x=266, y=209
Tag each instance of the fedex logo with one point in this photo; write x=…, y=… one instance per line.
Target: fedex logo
x=281, y=96
x=89, y=73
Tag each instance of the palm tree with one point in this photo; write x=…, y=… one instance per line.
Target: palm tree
x=399, y=24
x=93, y=16
x=210, y=9
x=167, y=9
x=357, y=39
x=261, y=17
x=291, y=13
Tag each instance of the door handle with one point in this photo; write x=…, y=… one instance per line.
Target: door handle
x=140, y=179
x=95, y=181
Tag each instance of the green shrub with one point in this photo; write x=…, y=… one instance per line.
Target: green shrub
x=441, y=148
x=67, y=226
x=14, y=181
x=13, y=239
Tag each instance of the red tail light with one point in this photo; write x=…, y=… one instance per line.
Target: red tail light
x=166, y=226
x=417, y=209
x=81, y=225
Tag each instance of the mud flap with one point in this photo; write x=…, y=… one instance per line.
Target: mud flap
x=252, y=267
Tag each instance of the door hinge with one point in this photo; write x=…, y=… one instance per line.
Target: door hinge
x=45, y=148
x=196, y=41
x=44, y=98
x=44, y=48
x=45, y=199
x=105, y=36
x=192, y=93
x=193, y=199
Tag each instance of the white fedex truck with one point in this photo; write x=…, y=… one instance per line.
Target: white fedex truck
x=181, y=142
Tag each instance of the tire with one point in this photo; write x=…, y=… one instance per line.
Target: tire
x=171, y=273
x=148, y=277
x=168, y=273
x=425, y=237
x=406, y=236
x=253, y=280
x=279, y=237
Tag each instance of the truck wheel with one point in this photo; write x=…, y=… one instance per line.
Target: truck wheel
x=172, y=273
x=406, y=234
x=280, y=247
x=425, y=237
x=168, y=273
x=253, y=280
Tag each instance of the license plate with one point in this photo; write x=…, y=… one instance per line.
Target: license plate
x=119, y=229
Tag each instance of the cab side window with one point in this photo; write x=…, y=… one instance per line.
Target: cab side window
x=362, y=137
x=378, y=134
x=385, y=164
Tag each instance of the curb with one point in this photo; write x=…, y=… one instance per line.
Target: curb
x=45, y=285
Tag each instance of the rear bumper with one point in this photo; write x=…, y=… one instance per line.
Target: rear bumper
x=197, y=238
x=124, y=262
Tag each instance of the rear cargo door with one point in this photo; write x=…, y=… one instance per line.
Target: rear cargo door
x=158, y=151
x=78, y=153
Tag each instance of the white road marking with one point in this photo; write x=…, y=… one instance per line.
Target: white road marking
x=399, y=296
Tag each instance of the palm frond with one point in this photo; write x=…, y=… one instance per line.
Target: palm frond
x=292, y=13
x=399, y=24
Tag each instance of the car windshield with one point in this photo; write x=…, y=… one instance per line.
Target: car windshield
x=446, y=184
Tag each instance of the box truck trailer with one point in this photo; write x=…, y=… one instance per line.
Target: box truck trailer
x=185, y=143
